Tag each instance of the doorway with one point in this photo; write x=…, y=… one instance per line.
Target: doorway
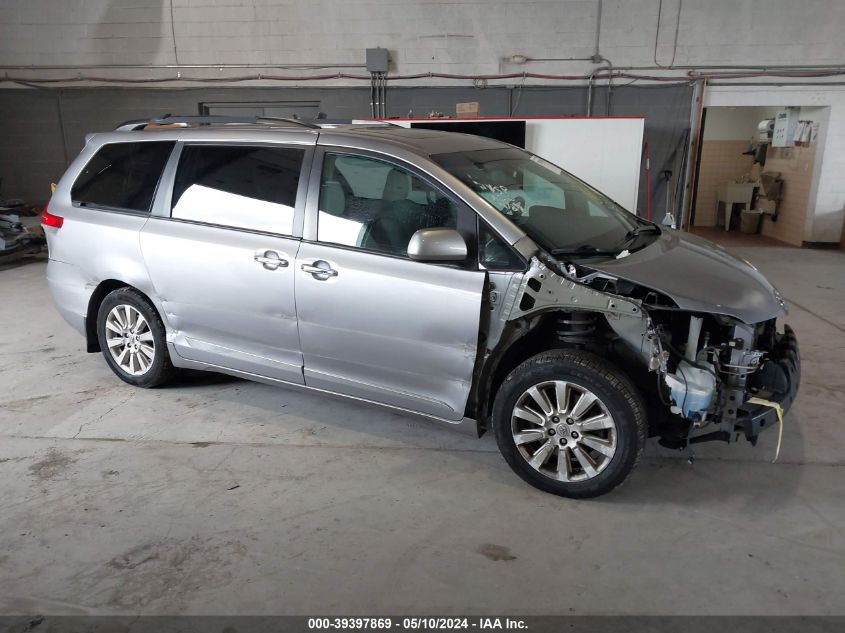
x=754, y=184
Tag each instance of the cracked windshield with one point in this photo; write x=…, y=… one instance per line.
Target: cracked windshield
x=561, y=213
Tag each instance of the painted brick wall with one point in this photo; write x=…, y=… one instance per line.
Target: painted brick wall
x=457, y=36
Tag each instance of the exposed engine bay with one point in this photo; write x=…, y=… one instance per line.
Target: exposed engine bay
x=698, y=370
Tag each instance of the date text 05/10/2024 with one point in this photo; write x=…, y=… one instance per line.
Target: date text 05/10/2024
x=417, y=623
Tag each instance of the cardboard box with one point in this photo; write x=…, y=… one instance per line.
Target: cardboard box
x=469, y=110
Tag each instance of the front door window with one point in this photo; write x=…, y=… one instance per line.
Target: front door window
x=377, y=206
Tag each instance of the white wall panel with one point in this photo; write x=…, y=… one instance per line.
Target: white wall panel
x=604, y=152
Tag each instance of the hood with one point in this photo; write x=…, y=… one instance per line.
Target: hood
x=698, y=276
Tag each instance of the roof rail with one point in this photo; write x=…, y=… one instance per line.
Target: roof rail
x=272, y=119
x=327, y=122
x=197, y=120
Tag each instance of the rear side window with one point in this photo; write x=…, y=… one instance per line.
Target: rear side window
x=122, y=176
x=251, y=188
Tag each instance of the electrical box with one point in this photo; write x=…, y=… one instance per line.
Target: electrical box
x=377, y=60
x=785, y=124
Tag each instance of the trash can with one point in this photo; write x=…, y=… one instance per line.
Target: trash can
x=750, y=220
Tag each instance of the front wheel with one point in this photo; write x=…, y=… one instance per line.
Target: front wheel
x=570, y=423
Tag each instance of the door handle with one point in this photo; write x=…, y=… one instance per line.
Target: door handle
x=271, y=260
x=319, y=272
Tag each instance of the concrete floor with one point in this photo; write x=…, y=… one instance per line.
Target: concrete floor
x=218, y=496
x=736, y=239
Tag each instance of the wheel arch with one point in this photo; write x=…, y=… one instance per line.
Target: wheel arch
x=102, y=290
x=521, y=339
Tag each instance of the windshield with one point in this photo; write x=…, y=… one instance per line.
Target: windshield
x=561, y=213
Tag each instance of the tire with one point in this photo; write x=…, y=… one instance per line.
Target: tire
x=580, y=449
x=121, y=309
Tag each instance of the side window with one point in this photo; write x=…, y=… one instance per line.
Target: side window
x=245, y=187
x=375, y=205
x=122, y=176
x=493, y=253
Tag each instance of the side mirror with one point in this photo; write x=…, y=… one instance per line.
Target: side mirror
x=437, y=245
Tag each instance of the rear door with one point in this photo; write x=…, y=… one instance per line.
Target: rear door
x=220, y=251
x=373, y=323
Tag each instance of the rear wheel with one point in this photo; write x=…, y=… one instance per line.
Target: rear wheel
x=570, y=423
x=132, y=338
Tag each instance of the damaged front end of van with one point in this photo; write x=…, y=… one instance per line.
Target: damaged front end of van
x=695, y=331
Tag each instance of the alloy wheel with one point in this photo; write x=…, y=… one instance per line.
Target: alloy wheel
x=564, y=431
x=130, y=340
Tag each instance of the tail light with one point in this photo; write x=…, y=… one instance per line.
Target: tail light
x=48, y=219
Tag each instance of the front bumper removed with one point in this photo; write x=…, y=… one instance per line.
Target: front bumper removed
x=752, y=419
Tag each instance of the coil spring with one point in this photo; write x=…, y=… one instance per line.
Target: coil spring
x=576, y=327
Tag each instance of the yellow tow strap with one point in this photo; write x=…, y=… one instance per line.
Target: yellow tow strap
x=779, y=410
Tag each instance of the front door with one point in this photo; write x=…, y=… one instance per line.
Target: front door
x=374, y=324
x=223, y=262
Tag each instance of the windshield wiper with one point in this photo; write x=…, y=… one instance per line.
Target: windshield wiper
x=585, y=250
x=588, y=250
x=642, y=229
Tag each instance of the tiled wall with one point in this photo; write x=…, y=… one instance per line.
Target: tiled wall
x=721, y=161
x=796, y=167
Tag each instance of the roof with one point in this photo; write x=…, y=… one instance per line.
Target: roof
x=419, y=141
x=374, y=136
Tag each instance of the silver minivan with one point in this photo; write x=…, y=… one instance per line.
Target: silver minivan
x=444, y=275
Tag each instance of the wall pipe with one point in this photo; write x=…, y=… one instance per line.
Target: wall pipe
x=700, y=67
x=548, y=59
x=657, y=33
x=590, y=84
x=615, y=73
x=689, y=67
x=384, y=96
x=777, y=84
x=596, y=55
x=172, y=66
